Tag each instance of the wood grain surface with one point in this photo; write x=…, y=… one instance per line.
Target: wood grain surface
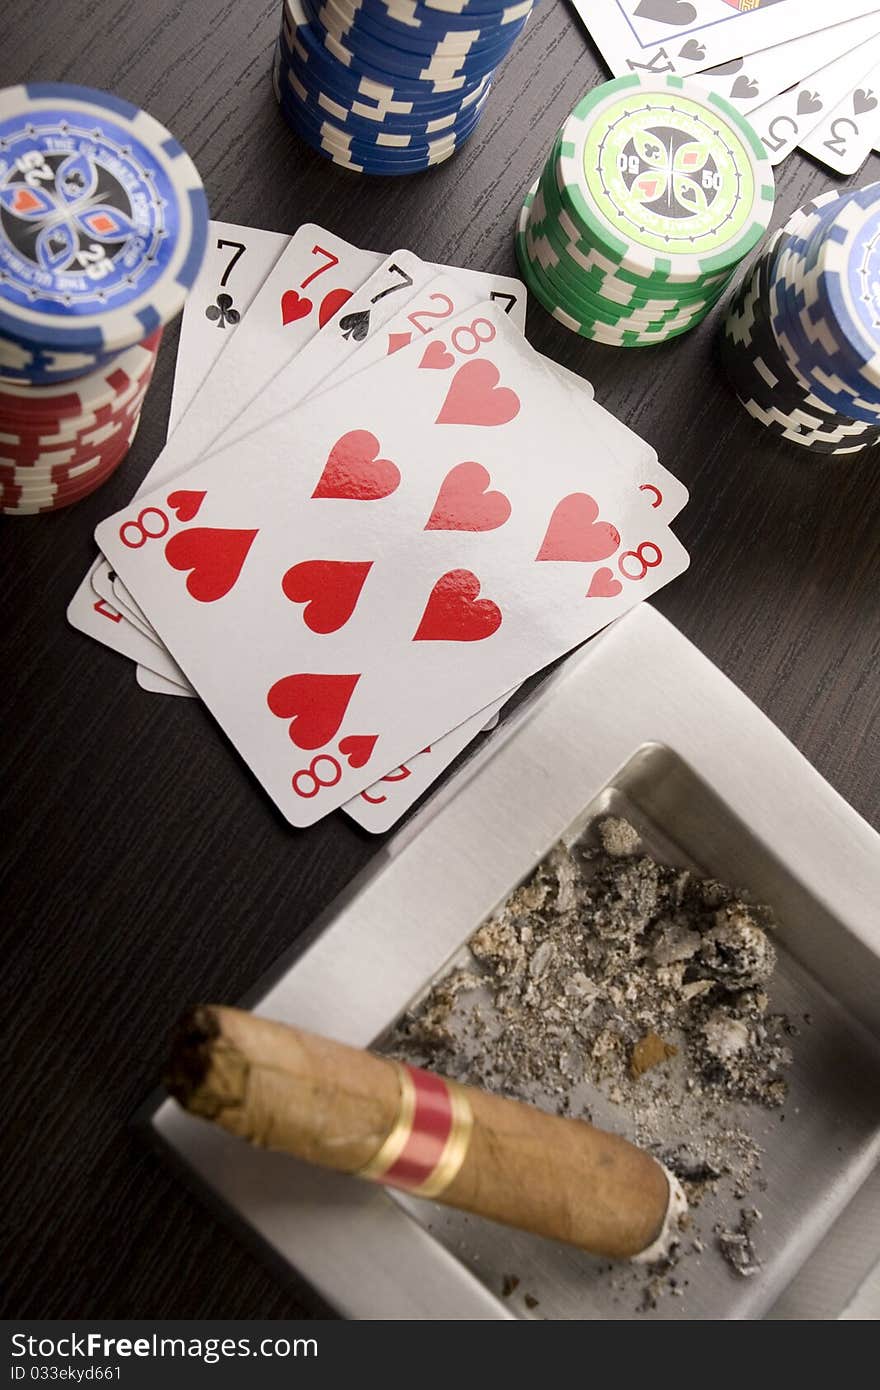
x=143, y=868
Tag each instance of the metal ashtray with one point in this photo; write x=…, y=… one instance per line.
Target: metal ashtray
x=640, y=724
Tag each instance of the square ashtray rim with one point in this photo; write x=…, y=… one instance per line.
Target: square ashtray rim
x=641, y=684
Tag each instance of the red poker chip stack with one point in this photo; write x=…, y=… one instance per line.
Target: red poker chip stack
x=58, y=443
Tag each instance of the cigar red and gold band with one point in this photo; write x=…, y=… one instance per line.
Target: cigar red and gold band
x=379, y=1119
x=430, y=1137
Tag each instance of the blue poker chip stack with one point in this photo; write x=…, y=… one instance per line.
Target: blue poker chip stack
x=801, y=340
x=390, y=86
x=103, y=224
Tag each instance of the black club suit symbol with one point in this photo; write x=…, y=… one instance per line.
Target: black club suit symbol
x=222, y=312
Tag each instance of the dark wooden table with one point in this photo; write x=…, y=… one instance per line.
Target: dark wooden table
x=143, y=868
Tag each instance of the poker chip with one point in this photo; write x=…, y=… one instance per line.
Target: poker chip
x=34, y=451
x=826, y=332
x=20, y=496
x=389, y=87
x=103, y=224
x=297, y=45
x=800, y=342
x=654, y=191
x=73, y=405
x=50, y=457
x=393, y=150
x=370, y=122
x=422, y=23
x=67, y=410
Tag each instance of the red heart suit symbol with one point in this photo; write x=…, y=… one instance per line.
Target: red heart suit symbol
x=648, y=186
x=331, y=304
x=213, y=556
x=184, y=504
x=357, y=749
x=315, y=705
x=330, y=590
x=464, y=502
x=436, y=357
x=475, y=398
x=604, y=585
x=575, y=532
x=25, y=201
x=294, y=306
x=353, y=470
x=454, y=613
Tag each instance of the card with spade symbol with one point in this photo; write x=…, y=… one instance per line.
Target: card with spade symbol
x=403, y=299
x=279, y=322
x=687, y=36
x=290, y=373
x=109, y=616
x=384, y=305
x=366, y=573
x=845, y=137
x=790, y=118
x=332, y=352
x=388, y=311
x=754, y=79
x=315, y=275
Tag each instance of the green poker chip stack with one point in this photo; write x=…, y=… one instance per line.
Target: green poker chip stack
x=654, y=191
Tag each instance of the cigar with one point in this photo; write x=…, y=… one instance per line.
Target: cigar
x=379, y=1119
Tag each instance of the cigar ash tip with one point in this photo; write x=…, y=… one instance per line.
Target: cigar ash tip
x=205, y=1074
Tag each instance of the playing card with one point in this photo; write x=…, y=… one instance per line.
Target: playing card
x=845, y=137
x=396, y=274
x=381, y=805
x=686, y=36
x=382, y=316
x=789, y=118
x=105, y=582
x=441, y=298
x=661, y=490
x=750, y=81
x=160, y=685
x=377, y=808
x=237, y=262
x=127, y=606
x=88, y=612
x=395, y=279
x=102, y=620
x=392, y=564
x=313, y=278
x=102, y=580
x=371, y=327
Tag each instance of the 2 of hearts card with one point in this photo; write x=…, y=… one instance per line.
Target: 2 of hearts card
x=389, y=513
x=805, y=76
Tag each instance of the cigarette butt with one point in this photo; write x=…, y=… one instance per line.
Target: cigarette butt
x=343, y=1108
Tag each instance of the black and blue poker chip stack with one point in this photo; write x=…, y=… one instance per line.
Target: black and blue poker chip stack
x=390, y=86
x=801, y=340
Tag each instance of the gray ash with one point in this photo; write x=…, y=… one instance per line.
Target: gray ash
x=599, y=958
x=737, y=1245
x=611, y=977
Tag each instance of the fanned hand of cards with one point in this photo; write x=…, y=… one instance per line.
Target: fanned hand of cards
x=800, y=80
x=378, y=511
